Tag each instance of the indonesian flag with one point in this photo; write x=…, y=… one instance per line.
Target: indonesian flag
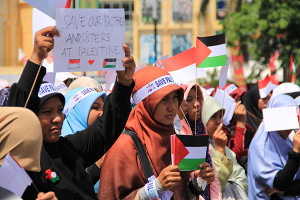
x=265, y=87
x=292, y=70
x=217, y=45
x=188, y=151
x=182, y=66
x=13, y=177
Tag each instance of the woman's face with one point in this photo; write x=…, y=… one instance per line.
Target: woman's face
x=166, y=109
x=96, y=110
x=262, y=103
x=51, y=117
x=213, y=123
x=193, y=105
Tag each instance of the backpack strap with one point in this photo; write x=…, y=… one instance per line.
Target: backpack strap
x=148, y=172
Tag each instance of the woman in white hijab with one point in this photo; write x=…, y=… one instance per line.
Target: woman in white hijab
x=273, y=160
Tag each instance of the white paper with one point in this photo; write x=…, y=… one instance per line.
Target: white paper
x=228, y=104
x=282, y=118
x=223, y=76
x=88, y=37
x=13, y=177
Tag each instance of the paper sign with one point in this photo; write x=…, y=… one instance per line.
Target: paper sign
x=228, y=103
x=223, y=76
x=282, y=118
x=91, y=40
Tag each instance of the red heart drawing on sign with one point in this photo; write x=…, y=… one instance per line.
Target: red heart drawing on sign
x=91, y=62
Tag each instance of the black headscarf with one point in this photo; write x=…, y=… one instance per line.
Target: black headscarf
x=250, y=101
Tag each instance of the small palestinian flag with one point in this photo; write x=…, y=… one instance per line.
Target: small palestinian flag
x=188, y=151
x=265, y=87
x=217, y=46
x=109, y=63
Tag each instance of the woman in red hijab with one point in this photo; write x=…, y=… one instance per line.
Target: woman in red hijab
x=157, y=100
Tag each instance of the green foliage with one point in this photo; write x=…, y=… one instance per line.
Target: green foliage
x=264, y=26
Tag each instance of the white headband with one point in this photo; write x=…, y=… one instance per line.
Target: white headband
x=152, y=87
x=45, y=89
x=77, y=97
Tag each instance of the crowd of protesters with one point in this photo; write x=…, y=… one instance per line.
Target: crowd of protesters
x=77, y=143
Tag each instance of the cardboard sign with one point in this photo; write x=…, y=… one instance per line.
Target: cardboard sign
x=91, y=40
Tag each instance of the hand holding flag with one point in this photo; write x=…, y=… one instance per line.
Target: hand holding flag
x=169, y=177
x=206, y=173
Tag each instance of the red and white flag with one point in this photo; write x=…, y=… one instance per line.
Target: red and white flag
x=13, y=177
x=265, y=87
x=292, y=70
x=182, y=66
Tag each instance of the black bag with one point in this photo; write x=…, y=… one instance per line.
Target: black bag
x=148, y=172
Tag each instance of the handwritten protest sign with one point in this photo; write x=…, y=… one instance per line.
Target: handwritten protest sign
x=91, y=40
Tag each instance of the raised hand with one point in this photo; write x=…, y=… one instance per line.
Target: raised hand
x=125, y=77
x=240, y=114
x=169, y=177
x=296, y=142
x=220, y=139
x=43, y=43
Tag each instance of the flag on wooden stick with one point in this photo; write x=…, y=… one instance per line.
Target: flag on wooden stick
x=188, y=151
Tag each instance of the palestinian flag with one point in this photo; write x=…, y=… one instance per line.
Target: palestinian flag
x=292, y=70
x=217, y=46
x=109, y=63
x=188, y=151
x=265, y=87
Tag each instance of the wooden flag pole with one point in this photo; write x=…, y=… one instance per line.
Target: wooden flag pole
x=33, y=84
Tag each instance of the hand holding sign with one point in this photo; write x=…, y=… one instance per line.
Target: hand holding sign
x=296, y=142
x=125, y=77
x=43, y=43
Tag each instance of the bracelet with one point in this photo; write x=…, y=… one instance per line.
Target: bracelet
x=151, y=191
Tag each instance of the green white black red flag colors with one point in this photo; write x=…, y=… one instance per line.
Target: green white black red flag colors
x=109, y=63
x=188, y=151
x=217, y=46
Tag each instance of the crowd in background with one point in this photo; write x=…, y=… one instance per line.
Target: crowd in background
x=69, y=136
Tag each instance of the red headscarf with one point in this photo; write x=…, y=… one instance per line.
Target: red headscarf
x=122, y=157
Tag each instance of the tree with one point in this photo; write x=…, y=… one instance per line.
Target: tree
x=264, y=26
